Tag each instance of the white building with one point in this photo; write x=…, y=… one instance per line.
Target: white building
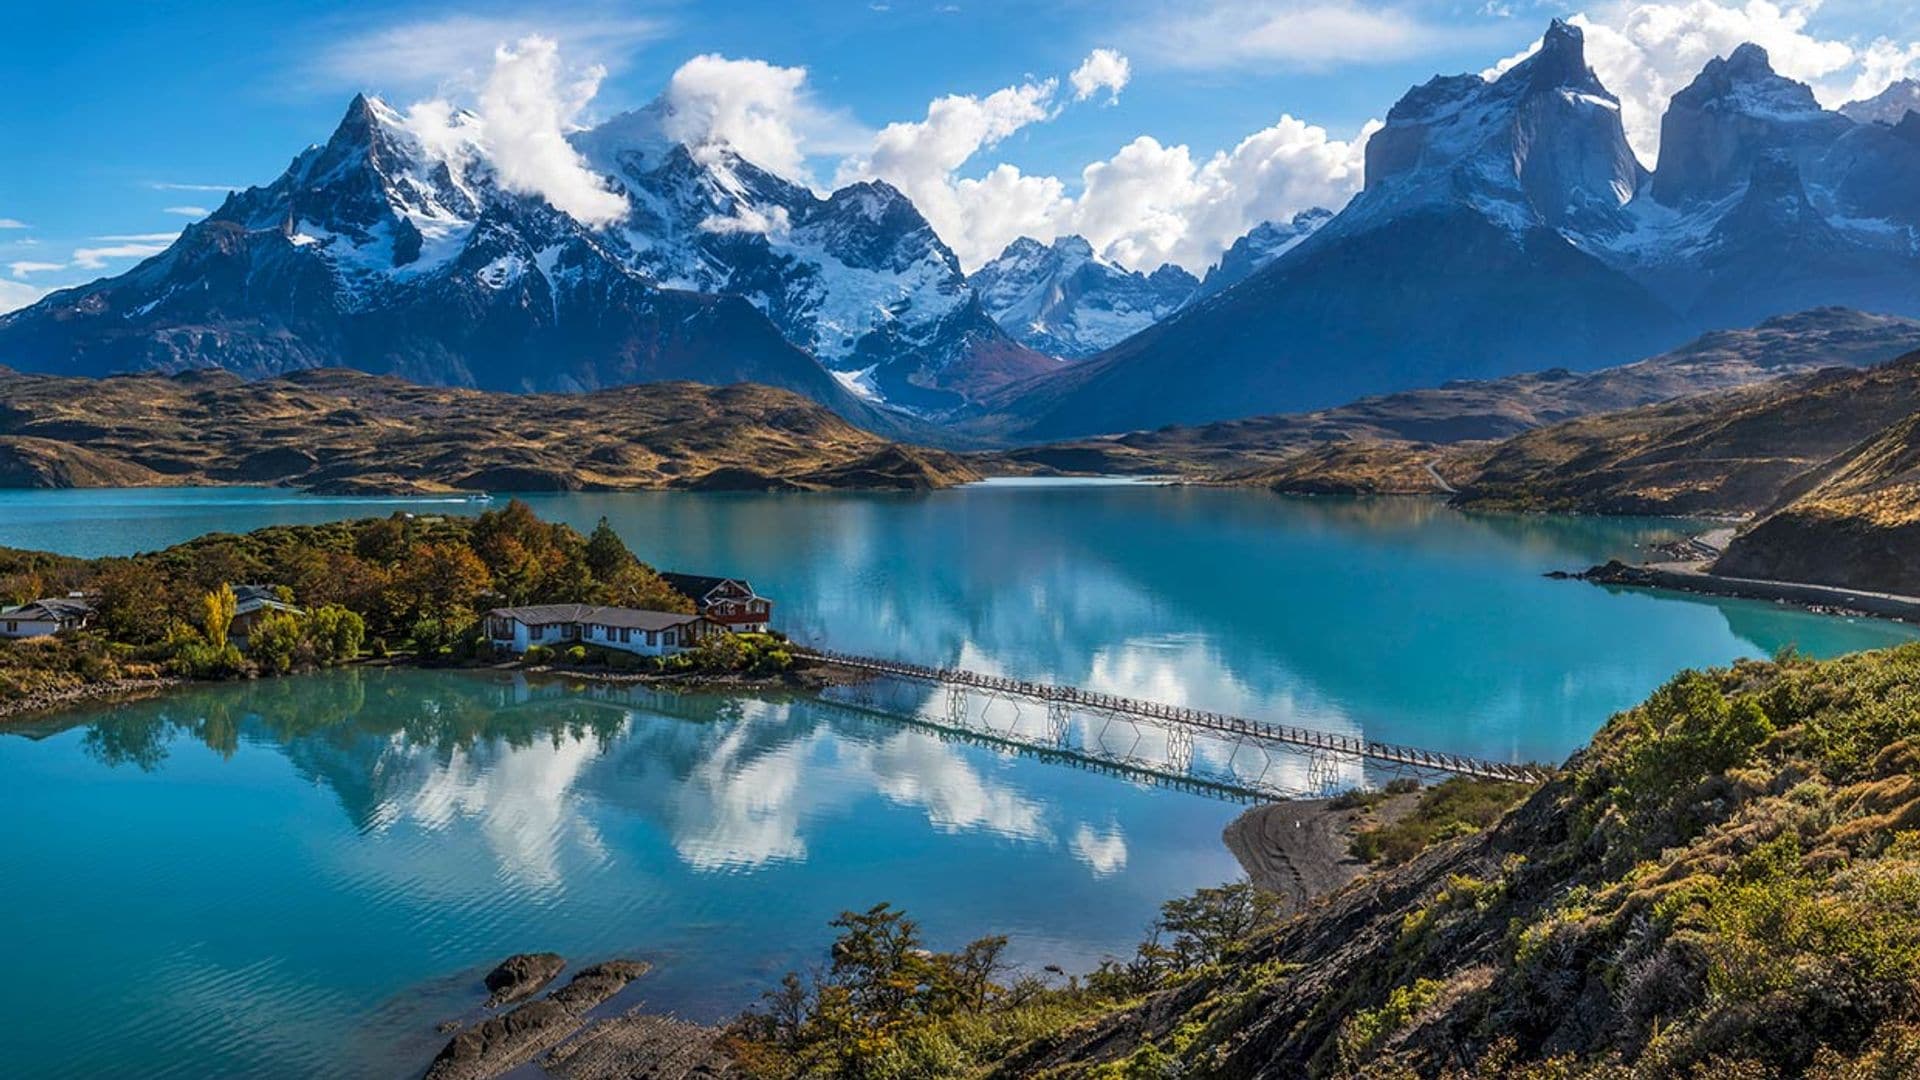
x=561, y=626
x=43, y=618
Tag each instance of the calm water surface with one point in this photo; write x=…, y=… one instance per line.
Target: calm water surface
x=225, y=881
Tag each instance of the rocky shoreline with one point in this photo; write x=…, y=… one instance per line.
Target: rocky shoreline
x=1695, y=578
x=563, y=1035
x=811, y=678
x=111, y=689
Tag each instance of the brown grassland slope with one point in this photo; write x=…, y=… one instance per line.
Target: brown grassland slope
x=344, y=431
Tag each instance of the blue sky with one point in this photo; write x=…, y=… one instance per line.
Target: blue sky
x=119, y=120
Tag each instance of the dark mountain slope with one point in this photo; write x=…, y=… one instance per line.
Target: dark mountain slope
x=1439, y=295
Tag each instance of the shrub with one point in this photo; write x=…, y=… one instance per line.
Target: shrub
x=336, y=633
x=1367, y=1031
x=1457, y=807
x=539, y=654
x=577, y=655
x=274, y=642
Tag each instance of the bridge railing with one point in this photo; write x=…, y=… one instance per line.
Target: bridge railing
x=1310, y=738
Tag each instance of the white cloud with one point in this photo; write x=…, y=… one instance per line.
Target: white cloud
x=750, y=220
x=141, y=238
x=95, y=258
x=1103, y=68
x=757, y=108
x=527, y=106
x=188, y=211
x=1645, y=52
x=456, y=53
x=13, y=223
x=527, y=111
x=28, y=266
x=919, y=157
x=1146, y=205
x=1150, y=204
x=15, y=295
x=165, y=185
x=1300, y=34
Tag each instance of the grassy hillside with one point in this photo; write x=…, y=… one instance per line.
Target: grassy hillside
x=343, y=431
x=1857, y=523
x=1726, y=884
x=1737, y=452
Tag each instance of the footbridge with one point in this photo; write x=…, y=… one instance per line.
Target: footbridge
x=1178, y=725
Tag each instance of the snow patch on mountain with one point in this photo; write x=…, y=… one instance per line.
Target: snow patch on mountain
x=1889, y=106
x=1062, y=299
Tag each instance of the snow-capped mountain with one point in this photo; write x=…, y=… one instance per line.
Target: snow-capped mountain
x=1261, y=245
x=1505, y=224
x=377, y=251
x=858, y=278
x=1064, y=300
x=1889, y=106
x=371, y=252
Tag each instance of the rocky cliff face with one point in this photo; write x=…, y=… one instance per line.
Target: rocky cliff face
x=1733, y=115
x=1063, y=300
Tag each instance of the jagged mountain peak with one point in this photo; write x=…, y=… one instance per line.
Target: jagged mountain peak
x=1737, y=110
x=1745, y=81
x=1260, y=246
x=1542, y=144
x=1559, y=63
x=1889, y=106
x=1062, y=299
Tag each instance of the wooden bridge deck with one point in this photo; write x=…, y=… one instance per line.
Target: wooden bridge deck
x=1196, y=719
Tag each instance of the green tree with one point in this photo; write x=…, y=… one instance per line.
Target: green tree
x=274, y=642
x=336, y=633
x=607, y=554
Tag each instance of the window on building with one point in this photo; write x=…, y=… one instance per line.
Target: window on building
x=626, y=635
x=673, y=637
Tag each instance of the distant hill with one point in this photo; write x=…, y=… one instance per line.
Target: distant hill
x=341, y=431
x=1349, y=436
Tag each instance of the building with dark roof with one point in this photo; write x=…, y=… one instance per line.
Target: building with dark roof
x=45, y=617
x=644, y=633
x=727, y=602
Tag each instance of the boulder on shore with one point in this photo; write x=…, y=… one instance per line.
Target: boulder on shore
x=501, y=1043
x=521, y=975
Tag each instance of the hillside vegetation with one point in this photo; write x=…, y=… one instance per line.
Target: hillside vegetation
x=339, y=431
x=1726, y=884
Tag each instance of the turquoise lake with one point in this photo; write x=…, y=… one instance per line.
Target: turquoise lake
x=301, y=877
